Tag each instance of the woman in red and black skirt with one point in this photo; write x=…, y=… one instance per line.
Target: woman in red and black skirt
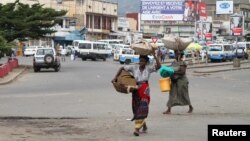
x=140, y=95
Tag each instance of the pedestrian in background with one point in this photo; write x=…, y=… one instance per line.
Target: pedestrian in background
x=163, y=55
x=159, y=54
x=179, y=94
x=63, y=53
x=197, y=55
x=193, y=56
x=73, y=55
x=141, y=95
x=203, y=54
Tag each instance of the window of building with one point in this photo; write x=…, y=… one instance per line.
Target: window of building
x=59, y=1
x=97, y=22
x=89, y=21
x=120, y=28
x=108, y=23
x=154, y=26
x=104, y=23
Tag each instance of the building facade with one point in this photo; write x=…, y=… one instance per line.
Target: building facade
x=187, y=29
x=221, y=21
x=99, y=17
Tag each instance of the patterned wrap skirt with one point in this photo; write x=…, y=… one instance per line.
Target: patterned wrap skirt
x=140, y=101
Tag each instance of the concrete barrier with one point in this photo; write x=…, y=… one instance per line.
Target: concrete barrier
x=8, y=67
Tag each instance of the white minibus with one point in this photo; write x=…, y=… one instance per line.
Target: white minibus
x=111, y=41
x=220, y=52
x=93, y=50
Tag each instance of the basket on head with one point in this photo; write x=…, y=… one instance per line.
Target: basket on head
x=176, y=43
x=142, y=47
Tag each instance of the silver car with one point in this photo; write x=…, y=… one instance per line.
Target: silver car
x=46, y=58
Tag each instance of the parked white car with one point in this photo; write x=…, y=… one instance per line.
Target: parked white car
x=121, y=49
x=93, y=50
x=30, y=50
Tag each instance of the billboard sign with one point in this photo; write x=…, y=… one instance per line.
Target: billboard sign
x=164, y=10
x=202, y=11
x=236, y=25
x=199, y=30
x=204, y=31
x=224, y=7
x=207, y=31
x=123, y=22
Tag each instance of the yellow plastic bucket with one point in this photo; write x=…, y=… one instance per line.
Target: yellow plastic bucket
x=165, y=84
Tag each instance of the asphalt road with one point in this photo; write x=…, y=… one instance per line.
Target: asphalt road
x=80, y=103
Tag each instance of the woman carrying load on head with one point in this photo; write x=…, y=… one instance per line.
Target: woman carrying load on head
x=179, y=94
x=140, y=95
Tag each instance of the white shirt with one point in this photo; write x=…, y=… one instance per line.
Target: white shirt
x=140, y=76
x=64, y=51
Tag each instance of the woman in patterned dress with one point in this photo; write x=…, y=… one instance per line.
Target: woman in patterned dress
x=140, y=95
x=179, y=94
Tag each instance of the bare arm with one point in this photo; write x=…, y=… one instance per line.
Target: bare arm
x=158, y=64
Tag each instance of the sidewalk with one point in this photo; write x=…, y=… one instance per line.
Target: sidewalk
x=215, y=67
x=13, y=75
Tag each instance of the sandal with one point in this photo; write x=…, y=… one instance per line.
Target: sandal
x=136, y=133
x=166, y=112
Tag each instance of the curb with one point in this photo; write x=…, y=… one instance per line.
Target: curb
x=215, y=65
x=15, y=75
x=222, y=70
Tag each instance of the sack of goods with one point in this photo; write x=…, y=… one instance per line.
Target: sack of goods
x=166, y=71
x=125, y=81
x=142, y=47
x=176, y=43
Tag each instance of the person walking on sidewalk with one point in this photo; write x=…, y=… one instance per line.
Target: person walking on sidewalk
x=63, y=52
x=141, y=95
x=179, y=94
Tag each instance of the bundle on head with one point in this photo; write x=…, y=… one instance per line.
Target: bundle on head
x=176, y=43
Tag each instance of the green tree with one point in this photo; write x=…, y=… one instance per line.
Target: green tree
x=21, y=21
x=6, y=47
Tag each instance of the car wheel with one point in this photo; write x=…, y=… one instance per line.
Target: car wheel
x=83, y=59
x=36, y=69
x=49, y=59
x=104, y=59
x=127, y=61
x=121, y=62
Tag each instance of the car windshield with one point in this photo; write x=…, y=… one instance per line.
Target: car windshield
x=215, y=48
x=44, y=51
x=127, y=51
